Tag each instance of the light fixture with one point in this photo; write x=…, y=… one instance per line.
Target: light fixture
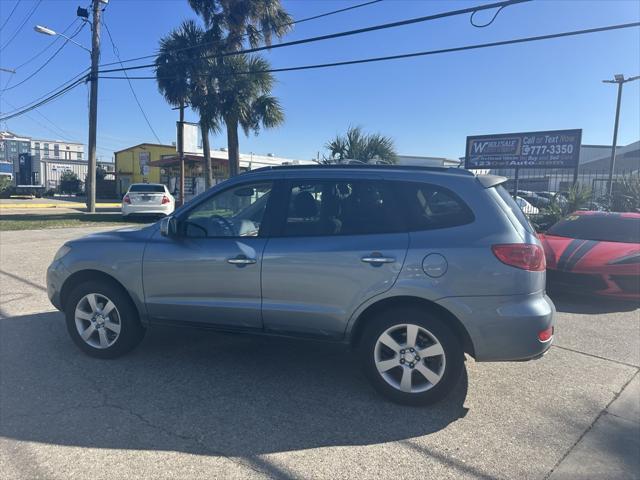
x=45, y=30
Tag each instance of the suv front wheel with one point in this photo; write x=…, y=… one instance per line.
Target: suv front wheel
x=102, y=320
x=411, y=356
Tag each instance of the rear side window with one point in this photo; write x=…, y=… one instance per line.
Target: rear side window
x=428, y=207
x=146, y=188
x=512, y=209
x=341, y=208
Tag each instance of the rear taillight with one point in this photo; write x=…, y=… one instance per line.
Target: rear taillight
x=545, y=335
x=521, y=255
x=126, y=199
x=165, y=200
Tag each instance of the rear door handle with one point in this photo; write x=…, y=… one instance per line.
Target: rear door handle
x=377, y=259
x=241, y=260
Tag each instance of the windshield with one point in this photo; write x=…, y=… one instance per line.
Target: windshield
x=146, y=188
x=603, y=228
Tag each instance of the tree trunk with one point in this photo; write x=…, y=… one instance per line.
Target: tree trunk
x=233, y=147
x=208, y=171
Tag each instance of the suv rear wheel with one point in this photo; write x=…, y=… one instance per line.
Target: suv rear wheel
x=411, y=356
x=102, y=320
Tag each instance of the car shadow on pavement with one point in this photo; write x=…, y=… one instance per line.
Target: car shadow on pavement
x=197, y=392
x=590, y=305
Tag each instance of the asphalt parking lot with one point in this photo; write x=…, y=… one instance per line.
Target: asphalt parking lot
x=190, y=404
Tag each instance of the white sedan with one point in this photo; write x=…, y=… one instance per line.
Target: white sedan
x=148, y=199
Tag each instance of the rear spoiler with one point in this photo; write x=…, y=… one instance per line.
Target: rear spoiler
x=488, y=181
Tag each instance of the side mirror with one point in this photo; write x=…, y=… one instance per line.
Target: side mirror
x=169, y=227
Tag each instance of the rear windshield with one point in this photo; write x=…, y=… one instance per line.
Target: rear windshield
x=514, y=209
x=147, y=188
x=603, y=228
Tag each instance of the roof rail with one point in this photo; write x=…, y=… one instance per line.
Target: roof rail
x=457, y=171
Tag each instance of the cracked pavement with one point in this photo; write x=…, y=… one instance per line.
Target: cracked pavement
x=189, y=404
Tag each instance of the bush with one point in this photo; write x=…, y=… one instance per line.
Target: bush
x=6, y=186
x=70, y=183
x=49, y=193
x=578, y=197
x=626, y=195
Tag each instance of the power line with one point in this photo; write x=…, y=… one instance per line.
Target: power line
x=54, y=41
x=35, y=72
x=29, y=15
x=133, y=92
x=48, y=99
x=63, y=137
x=347, y=33
x=10, y=15
x=82, y=74
x=295, y=22
x=418, y=54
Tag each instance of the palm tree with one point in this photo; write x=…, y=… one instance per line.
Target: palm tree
x=183, y=70
x=356, y=145
x=257, y=20
x=244, y=100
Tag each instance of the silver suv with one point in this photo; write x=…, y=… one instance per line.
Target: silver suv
x=411, y=267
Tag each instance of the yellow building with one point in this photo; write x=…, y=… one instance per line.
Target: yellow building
x=133, y=164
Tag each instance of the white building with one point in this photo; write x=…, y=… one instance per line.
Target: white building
x=57, y=150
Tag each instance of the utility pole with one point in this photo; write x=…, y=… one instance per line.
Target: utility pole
x=181, y=152
x=620, y=80
x=93, y=105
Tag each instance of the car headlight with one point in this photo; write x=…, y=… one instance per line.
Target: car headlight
x=62, y=251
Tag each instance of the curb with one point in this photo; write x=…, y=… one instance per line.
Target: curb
x=55, y=205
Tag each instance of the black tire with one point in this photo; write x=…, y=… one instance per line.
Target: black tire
x=131, y=330
x=452, y=365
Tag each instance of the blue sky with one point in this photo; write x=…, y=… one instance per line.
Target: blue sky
x=427, y=105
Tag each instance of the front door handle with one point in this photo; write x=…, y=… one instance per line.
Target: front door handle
x=377, y=259
x=241, y=260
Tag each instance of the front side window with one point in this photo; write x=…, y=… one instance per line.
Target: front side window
x=236, y=212
x=341, y=208
x=429, y=207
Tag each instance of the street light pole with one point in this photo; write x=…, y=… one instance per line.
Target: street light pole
x=93, y=106
x=620, y=80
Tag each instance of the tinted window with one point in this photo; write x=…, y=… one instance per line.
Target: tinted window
x=147, y=188
x=428, y=207
x=605, y=228
x=237, y=212
x=511, y=208
x=341, y=208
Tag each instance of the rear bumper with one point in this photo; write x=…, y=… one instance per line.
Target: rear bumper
x=128, y=209
x=505, y=328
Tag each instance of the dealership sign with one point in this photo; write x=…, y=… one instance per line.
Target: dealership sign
x=552, y=149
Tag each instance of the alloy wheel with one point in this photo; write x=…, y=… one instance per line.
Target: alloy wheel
x=409, y=358
x=97, y=320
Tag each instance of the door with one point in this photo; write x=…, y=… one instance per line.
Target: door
x=341, y=243
x=210, y=273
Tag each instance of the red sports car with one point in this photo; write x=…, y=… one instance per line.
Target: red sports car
x=595, y=253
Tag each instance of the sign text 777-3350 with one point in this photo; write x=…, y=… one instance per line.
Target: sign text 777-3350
x=552, y=149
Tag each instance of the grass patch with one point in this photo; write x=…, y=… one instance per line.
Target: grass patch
x=66, y=220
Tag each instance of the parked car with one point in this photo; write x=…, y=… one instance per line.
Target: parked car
x=593, y=252
x=147, y=199
x=392, y=261
x=534, y=199
x=526, y=207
